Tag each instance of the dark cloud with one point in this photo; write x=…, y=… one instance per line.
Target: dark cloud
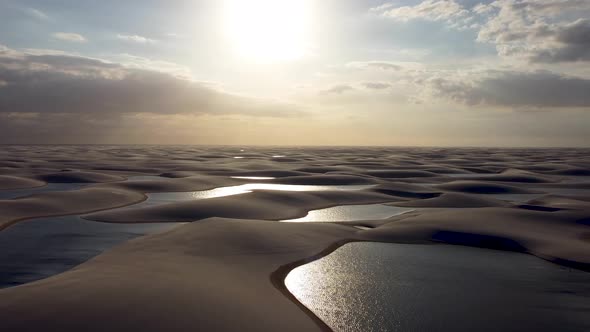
x=60, y=98
x=72, y=84
x=539, y=89
x=573, y=44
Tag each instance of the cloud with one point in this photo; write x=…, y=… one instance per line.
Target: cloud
x=514, y=89
x=430, y=10
x=136, y=39
x=36, y=13
x=337, y=89
x=382, y=65
x=70, y=37
x=539, y=31
x=376, y=85
x=133, y=61
x=56, y=84
x=434, y=10
x=63, y=98
x=572, y=44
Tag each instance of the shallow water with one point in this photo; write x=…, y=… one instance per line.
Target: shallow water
x=352, y=213
x=39, y=248
x=396, y=287
x=16, y=193
x=254, y=177
x=170, y=197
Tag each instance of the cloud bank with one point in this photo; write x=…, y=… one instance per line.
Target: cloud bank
x=53, y=83
x=49, y=93
x=538, y=89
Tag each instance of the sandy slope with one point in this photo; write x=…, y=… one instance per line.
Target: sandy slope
x=63, y=203
x=208, y=276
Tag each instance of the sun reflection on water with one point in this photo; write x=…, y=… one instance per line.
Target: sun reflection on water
x=254, y=177
x=413, y=287
x=352, y=213
x=249, y=187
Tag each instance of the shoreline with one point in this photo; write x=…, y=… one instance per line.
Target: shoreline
x=9, y=222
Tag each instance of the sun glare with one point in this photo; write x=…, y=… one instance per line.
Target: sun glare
x=268, y=30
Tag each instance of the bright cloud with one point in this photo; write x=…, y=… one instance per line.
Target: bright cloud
x=136, y=39
x=69, y=37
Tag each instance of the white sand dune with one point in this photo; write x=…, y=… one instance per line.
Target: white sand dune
x=262, y=204
x=214, y=275
x=63, y=203
x=224, y=271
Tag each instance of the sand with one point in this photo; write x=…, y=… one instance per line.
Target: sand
x=262, y=205
x=13, y=182
x=78, y=177
x=224, y=271
x=483, y=187
x=64, y=203
x=183, y=280
x=454, y=200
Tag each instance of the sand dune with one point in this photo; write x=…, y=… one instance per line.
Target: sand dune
x=264, y=205
x=556, y=236
x=408, y=190
x=222, y=268
x=192, y=183
x=208, y=276
x=226, y=274
x=397, y=174
x=62, y=203
x=269, y=173
x=78, y=177
x=14, y=182
x=563, y=202
x=514, y=176
x=454, y=200
x=483, y=187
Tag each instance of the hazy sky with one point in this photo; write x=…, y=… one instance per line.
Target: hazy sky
x=296, y=72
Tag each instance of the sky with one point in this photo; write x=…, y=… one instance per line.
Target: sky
x=507, y=73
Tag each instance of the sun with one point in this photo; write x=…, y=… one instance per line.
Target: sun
x=268, y=30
